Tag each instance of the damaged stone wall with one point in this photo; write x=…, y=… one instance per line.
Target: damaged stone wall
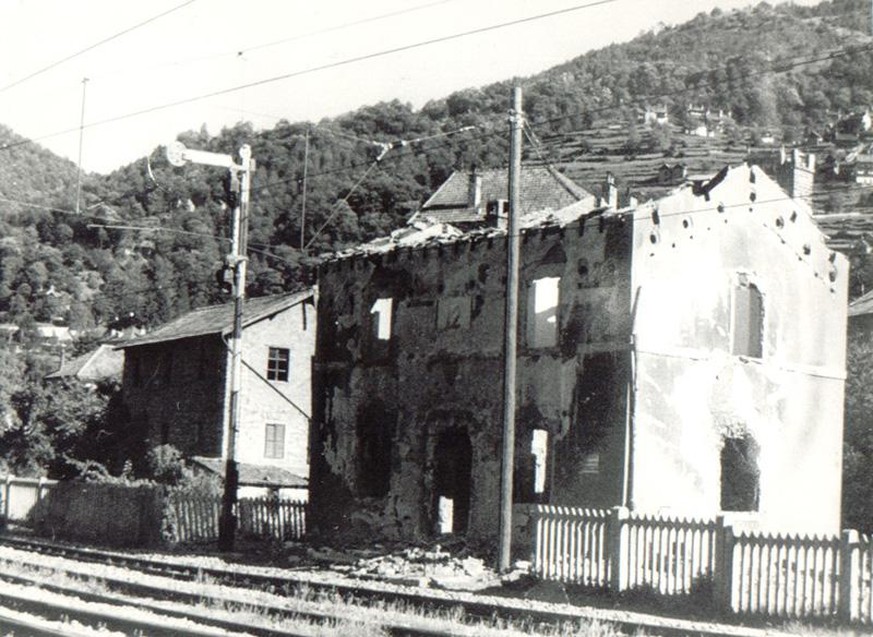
x=439, y=377
x=700, y=255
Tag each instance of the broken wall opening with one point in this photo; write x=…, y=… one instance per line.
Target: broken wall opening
x=452, y=480
x=375, y=431
x=740, y=475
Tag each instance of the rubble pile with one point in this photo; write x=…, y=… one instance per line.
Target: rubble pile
x=432, y=567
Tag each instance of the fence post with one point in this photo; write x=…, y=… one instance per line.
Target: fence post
x=616, y=530
x=849, y=559
x=723, y=575
x=7, y=492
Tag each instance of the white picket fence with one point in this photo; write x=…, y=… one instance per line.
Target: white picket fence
x=748, y=573
x=195, y=518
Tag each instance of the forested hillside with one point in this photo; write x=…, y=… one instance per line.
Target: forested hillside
x=150, y=237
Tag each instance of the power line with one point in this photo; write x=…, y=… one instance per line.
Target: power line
x=301, y=36
x=94, y=46
x=315, y=69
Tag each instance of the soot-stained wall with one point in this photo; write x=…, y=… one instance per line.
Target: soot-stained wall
x=404, y=423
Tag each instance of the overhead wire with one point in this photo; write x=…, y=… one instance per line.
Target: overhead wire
x=91, y=47
x=256, y=47
x=314, y=69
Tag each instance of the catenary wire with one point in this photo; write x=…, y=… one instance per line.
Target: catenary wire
x=310, y=70
x=91, y=47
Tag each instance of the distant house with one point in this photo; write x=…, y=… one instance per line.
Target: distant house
x=684, y=356
x=657, y=116
x=700, y=121
x=672, y=174
x=863, y=169
x=176, y=383
x=103, y=363
x=471, y=199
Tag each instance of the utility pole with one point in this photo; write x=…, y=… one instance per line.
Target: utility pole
x=303, y=205
x=178, y=155
x=81, y=134
x=510, y=342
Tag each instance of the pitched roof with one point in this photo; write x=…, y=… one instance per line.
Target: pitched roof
x=254, y=475
x=218, y=319
x=103, y=362
x=862, y=306
x=541, y=188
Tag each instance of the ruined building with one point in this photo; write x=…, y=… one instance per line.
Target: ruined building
x=685, y=356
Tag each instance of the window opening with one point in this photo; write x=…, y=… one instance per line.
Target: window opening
x=453, y=462
x=538, y=448
x=381, y=312
x=740, y=476
x=748, y=321
x=543, y=312
x=278, y=363
x=375, y=428
x=274, y=441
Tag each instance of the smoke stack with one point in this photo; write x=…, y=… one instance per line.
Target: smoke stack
x=474, y=191
x=611, y=192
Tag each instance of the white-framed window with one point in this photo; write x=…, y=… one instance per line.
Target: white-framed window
x=274, y=440
x=278, y=363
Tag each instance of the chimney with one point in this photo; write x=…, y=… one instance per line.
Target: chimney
x=802, y=174
x=610, y=192
x=474, y=190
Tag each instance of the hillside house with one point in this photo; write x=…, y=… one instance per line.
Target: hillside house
x=862, y=169
x=471, y=199
x=683, y=356
x=176, y=383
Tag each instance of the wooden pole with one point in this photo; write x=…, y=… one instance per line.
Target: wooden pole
x=510, y=343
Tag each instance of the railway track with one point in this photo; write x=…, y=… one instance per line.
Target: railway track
x=181, y=582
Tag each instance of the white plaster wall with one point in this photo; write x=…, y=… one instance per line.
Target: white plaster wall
x=690, y=388
x=263, y=402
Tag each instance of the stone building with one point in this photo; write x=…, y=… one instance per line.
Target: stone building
x=684, y=356
x=176, y=384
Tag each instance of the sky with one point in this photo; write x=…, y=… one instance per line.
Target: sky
x=148, y=65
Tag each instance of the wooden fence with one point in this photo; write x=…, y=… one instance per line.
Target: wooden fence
x=747, y=573
x=195, y=518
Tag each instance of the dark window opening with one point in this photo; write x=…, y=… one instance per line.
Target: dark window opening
x=453, y=456
x=278, y=364
x=165, y=432
x=542, y=306
x=375, y=430
x=740, y=476
x=274, y=441
x=747, y=326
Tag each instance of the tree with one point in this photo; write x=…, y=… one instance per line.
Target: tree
x=858, y=439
